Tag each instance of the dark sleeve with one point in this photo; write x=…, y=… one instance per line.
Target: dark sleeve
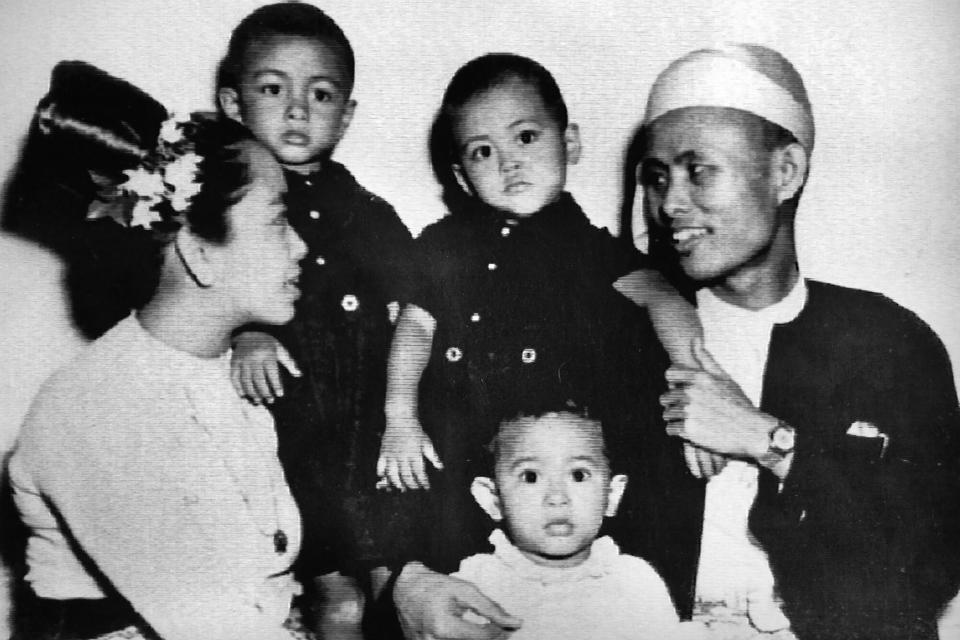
x=433, y=257
x=857, y=522
x=395, y=245
x=616, y=256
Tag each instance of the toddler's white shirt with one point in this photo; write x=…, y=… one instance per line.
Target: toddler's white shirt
x=611, y=596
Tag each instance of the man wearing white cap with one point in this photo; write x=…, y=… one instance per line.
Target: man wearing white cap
x=824, y=418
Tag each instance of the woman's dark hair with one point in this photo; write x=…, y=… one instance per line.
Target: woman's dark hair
x=89, y=124
x=89, y=129
x=284, y=19
x=222, y=175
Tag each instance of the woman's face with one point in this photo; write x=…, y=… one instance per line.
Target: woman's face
x=260, y=259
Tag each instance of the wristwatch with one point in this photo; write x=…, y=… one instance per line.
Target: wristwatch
x=783, y=439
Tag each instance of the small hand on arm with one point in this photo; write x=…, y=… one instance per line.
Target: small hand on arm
x=255, y=366
x=405, y=445
x=705, y=407
x=431, y=605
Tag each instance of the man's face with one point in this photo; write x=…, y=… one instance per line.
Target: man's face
x=707, y=179
x=513, y=154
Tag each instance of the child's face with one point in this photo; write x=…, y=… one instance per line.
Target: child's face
x=553, y=487
x=513, y=155
x=294, y=97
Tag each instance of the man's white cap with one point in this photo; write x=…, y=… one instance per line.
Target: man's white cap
x=748, y=77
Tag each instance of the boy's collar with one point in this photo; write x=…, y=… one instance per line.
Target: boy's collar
x=603, y=558
x=327, y=170
x=564, y=204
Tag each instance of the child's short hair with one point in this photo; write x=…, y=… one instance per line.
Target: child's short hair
x=486, y=72
x=533, y=412
x=290, y=18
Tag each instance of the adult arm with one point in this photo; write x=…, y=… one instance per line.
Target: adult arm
x=431, y=605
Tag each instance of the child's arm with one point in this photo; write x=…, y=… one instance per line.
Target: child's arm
x=255, y=366
x=405, y=444
x=674, y=319
x=676, y=323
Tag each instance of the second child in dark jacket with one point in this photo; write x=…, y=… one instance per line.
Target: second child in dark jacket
x=515, y=296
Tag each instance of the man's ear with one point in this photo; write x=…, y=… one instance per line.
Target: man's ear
x=618, y=485
x=197, y=259
x=462, y=179
x=789, y=170
x=229, y=101
x=572, y=139
x=484, y=491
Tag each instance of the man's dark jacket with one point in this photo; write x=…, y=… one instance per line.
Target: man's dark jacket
x=864, y=535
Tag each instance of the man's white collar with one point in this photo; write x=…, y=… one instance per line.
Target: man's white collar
x=781, y=312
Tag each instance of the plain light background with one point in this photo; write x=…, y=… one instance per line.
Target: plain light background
x=880, y=211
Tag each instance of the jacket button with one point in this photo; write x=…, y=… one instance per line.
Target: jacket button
x=349, y=302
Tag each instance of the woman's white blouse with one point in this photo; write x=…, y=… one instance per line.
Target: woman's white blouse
x=139, y=467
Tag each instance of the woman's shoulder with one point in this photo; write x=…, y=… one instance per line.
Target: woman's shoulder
x=112, y=370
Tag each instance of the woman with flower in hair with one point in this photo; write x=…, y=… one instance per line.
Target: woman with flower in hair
x=155, y=503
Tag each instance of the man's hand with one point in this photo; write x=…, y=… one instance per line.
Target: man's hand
x=431, y=605
x=705, y=407
x=255, y=366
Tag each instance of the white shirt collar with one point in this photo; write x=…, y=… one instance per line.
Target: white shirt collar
x=781, y=312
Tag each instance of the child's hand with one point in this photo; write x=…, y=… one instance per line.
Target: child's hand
x=402, y=451
x=255, y=366
x=703, y=463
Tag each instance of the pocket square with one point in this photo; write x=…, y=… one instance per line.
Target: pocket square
x=862, y=429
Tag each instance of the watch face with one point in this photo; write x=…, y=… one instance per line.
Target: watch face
x=782, y=438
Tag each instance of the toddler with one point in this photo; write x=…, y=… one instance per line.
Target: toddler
x=550, y=490
x=288, y=76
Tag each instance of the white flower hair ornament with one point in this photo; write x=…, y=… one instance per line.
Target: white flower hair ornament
x=160, y=188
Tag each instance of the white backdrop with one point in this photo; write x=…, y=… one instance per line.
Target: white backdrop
x=879, y=212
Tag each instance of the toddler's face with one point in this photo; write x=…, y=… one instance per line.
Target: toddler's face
x=554, y=486
x=294, y=97
x=513, y=155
